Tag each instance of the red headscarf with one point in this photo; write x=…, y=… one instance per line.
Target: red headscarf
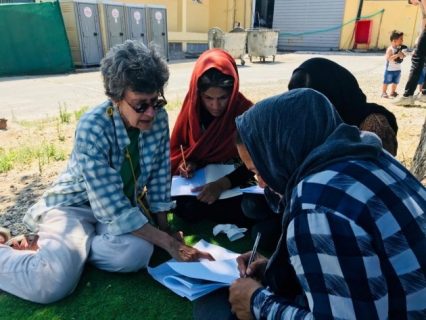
x=216, y=143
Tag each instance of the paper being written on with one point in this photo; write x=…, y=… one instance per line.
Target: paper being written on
x=195, y=279
x=253, y=189
x=186, y=287
x=182, y=186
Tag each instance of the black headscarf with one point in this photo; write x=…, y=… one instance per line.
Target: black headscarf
x=296, y=133
x=341, y=88
x=289, y=137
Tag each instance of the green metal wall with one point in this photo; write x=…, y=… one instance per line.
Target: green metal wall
x=33, y=40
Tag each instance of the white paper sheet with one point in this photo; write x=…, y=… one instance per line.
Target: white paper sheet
x=182, y=186
x=253, y=189
x=223, y=271
x=196, y=279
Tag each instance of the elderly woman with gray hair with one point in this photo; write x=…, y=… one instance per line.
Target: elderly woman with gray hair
x=116, y=186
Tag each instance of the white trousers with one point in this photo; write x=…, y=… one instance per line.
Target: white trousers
x=68, y=237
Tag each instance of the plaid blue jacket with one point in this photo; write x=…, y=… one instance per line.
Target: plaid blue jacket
x=357, y=244
x=93, y=172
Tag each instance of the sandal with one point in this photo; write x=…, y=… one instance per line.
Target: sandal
x=385, y=95
x=5, y=235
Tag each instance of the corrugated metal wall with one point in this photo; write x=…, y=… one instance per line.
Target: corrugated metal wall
x=308, y=17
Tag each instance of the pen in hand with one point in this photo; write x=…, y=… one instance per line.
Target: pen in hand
x=183, y=158
x=253, y=251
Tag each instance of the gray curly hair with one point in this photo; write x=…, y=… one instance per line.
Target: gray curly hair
x=133, y=66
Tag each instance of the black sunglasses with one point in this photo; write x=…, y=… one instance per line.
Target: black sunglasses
x=156, y=105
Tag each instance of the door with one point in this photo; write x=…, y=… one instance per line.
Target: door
x=157, y=18
x=90, y=37
x=115, y=23
x=308, y=24
x=137, y=24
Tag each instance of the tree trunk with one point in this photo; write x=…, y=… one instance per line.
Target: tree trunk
x=418, y=167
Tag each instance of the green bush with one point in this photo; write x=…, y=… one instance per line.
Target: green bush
x=64, y=115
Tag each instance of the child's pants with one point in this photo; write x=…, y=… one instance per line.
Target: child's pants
x=66, y=237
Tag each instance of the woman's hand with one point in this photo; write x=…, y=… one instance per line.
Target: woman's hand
x=210, y=192
x=181, y=252
x=240, y=294
x=255, y=270
x=174, y=245
x=187, y=171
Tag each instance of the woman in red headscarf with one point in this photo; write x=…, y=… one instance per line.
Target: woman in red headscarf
x=205, y=129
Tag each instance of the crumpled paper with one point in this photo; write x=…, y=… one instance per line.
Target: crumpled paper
x=231, y=230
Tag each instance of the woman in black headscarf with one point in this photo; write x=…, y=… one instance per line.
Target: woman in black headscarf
x=342, y=89
x=353, y=232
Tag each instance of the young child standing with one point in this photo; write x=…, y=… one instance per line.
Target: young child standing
x=394, y=57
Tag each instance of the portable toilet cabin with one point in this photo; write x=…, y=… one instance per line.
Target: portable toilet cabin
x=113, y=23
x=156, y=17
x=136, y=22
x=81, y=20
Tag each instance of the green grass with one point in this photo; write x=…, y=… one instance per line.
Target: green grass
x=64, y=115
x=37, y=124
x=102, y=295
x=24, y=155
x=80, y=112
x=44, y=152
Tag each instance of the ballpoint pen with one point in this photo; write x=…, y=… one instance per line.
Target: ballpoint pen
x=254, y=250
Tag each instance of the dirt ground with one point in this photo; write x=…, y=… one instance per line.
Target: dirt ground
x=22, y=186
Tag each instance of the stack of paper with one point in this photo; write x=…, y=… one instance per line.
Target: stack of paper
x=196, y=279
x=183, y=187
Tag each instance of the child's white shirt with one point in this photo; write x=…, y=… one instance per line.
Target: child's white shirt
x=391, y=65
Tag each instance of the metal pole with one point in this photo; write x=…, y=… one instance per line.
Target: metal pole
x=253, y=12
x=358, y=15
x=378, y=32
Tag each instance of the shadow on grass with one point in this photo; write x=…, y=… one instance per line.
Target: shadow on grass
x=103, y=295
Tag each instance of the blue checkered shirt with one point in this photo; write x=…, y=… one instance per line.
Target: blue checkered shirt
x=93, y=172
x=357, y=244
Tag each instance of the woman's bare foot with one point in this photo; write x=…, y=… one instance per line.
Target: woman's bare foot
x=24, y=242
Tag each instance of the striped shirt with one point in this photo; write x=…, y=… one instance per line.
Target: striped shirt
x=93, y=172
x=357, y=244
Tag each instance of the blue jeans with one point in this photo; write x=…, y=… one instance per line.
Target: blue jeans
x=392, y=77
